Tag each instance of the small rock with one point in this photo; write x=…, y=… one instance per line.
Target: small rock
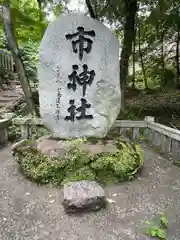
x=83, y=195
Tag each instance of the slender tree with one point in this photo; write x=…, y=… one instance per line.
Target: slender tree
x=141, y=57
x=9, y=32
x=134, y=59
x=131, y=7
x=177, y=58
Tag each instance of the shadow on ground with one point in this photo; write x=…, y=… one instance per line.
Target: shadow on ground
x=29, y=212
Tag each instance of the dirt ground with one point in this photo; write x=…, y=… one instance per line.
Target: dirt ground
x=31, y=212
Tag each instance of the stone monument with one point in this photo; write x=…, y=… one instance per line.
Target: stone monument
x=78, y=70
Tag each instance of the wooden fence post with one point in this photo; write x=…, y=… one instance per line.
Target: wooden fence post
x=148, y=132
x=149, y=119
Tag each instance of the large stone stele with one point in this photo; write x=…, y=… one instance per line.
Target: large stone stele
x=56, y=60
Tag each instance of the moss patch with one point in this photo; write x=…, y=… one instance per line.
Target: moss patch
x=77, y=165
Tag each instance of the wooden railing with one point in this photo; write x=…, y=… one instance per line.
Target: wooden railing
x=163, y=138
x=6, y=67
x=6, y=61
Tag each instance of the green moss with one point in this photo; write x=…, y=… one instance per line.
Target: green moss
x=78, y=165
x=124, y=164
x=107, y=177
x=84, y=173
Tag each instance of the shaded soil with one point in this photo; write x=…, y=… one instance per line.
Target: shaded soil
x=31, y=212
x=164, y=106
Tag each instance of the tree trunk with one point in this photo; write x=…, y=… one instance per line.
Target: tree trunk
x=90, y=9
x=163, y=79
x=131, y=8
x=141, y=58
x=6, y=14
x=134, y=59
x=177, y=59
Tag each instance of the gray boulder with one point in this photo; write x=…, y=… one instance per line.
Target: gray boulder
x=83, y=196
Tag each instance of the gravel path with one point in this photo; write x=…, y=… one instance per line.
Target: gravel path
x=31, y=212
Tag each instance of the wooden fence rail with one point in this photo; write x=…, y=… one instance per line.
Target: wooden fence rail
x=160, y=136
x=6, y=65
x=6, y=61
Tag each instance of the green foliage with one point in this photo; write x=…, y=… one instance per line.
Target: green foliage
x=29, y=53
x=164, y=106
x=30, y=20
x=78, y=165
x=14, y=133
x=83, y=173
x=3, y=42
x=128, y=114
x=20, y=110
x=157, y=25
x=156, y=227
x=39, y=131
x=26, y=21
x=120, y=166
x=156, y=21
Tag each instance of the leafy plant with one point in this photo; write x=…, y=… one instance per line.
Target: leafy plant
x=14, y=133
x=29, y=53
x=156, y=227
x=76, y=164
